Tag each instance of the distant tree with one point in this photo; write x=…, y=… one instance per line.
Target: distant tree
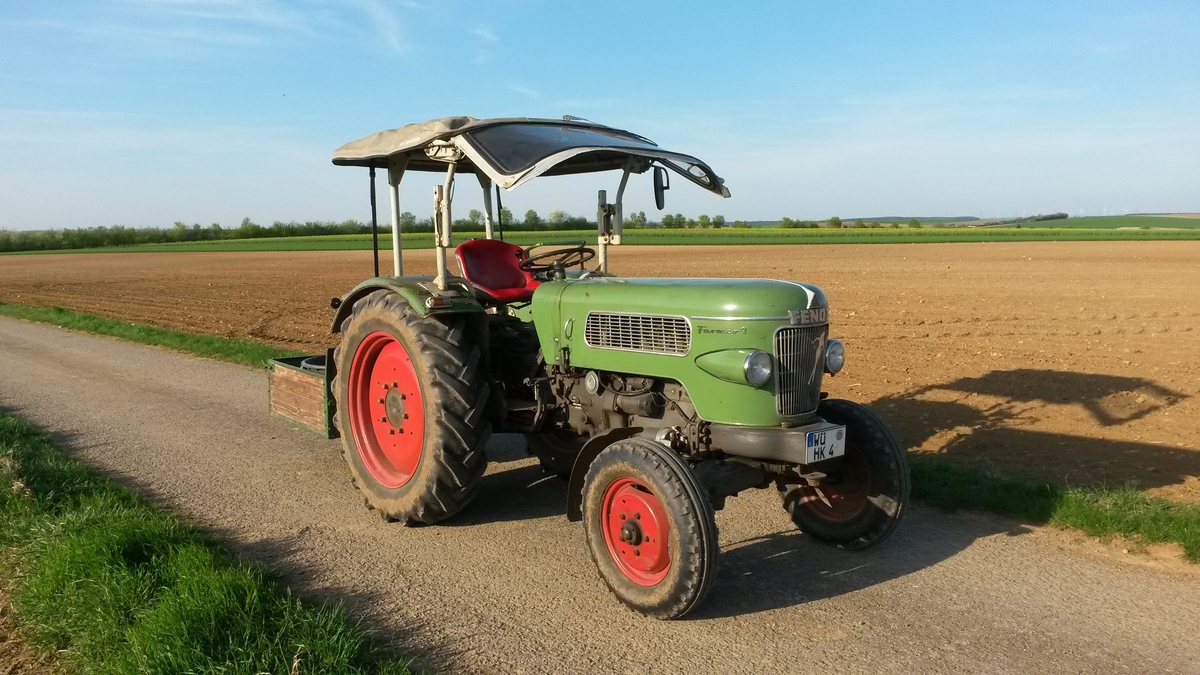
x=506, y=217
x=704, y=221
x=895, y=226
x=636, y=221
x=408, y=222
x=788, y=223
x=532, y=220
x=834, y=222
x=718, y=221
x=680, y=221
x=740, y=224
x=557, y=217
x=858, y=222
x=476, y=217
x=913, y=222
x=249, y=229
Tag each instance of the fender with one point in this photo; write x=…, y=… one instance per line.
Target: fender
x=417, y=291
x=584, y=459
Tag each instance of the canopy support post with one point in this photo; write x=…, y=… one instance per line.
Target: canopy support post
x=374, y=224
x=442, y=224
x=488, y=217
x=609, y=219
x=396, y=166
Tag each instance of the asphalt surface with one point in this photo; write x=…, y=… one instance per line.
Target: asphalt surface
x=507, y=586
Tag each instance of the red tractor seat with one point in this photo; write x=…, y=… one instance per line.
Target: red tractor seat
x=491, y=266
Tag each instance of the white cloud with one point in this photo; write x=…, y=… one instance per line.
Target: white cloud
x=384, y=22
x=485, y=39
x=527, y=92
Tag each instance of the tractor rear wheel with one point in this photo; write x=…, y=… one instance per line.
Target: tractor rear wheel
x=411, y=397
x=650, y=528
x=860, y=501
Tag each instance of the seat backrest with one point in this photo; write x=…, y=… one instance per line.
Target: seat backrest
x=492, y=264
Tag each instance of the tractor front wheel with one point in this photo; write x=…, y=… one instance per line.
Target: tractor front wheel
x=650, y=528
x=864, y=493
x=411, y=399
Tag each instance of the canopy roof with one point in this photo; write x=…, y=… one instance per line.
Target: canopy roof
x=511, y=151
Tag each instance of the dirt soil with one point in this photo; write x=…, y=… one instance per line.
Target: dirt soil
x=1071, y=361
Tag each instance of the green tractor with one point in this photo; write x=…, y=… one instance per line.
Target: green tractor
x=655, y=399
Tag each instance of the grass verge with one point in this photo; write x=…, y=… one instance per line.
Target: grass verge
x=1099, y=512
x=245, y=352
x=113, y=584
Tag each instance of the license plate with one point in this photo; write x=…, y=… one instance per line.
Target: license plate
x=825, y=444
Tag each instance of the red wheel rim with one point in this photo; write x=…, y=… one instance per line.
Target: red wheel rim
x=847, y=498
x=387, y=412
x=636, y=531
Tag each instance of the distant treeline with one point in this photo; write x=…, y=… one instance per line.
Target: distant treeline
x=1048, y=216
x=120, y=235
x=1029, y=219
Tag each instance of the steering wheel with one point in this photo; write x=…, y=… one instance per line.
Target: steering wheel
x=556, y=260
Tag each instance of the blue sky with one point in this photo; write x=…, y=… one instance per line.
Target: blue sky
x=144, y=112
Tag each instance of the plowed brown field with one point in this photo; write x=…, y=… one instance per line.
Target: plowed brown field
x=1075, y=362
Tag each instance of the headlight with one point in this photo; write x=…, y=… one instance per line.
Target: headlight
x=757, y=368
x=835, y=356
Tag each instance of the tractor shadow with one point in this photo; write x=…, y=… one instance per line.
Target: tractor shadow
x=984, y=422
x=514, y=488
x=786, y=568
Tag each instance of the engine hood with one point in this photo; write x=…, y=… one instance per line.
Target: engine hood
x=686, y=330
x=700, y=300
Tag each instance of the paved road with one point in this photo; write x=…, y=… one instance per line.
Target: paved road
x=508, y=586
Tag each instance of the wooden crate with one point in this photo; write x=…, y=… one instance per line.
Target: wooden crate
x=300, y=392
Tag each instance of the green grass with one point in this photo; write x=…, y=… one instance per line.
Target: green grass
x=1122, y=512
x=245, y=352
x=114, y=585
x=1074, y=229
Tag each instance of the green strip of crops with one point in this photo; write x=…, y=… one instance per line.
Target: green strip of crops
x=111, y=584
x=1122, y=512
x=653, y=237
x=245, y=352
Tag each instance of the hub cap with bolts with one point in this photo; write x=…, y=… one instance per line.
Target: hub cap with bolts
x=636, y=531
x=386, y=411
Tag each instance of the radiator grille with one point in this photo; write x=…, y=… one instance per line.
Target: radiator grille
x=639, y=333
x=798, y=352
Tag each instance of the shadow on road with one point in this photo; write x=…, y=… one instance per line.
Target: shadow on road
x=787, y=568
x=515, y=487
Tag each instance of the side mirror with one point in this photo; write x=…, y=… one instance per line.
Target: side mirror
x=662, y=183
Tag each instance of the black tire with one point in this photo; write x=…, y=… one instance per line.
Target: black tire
x=620, y=490
x=445, y=375
x=867, y=489
x=556, y=450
